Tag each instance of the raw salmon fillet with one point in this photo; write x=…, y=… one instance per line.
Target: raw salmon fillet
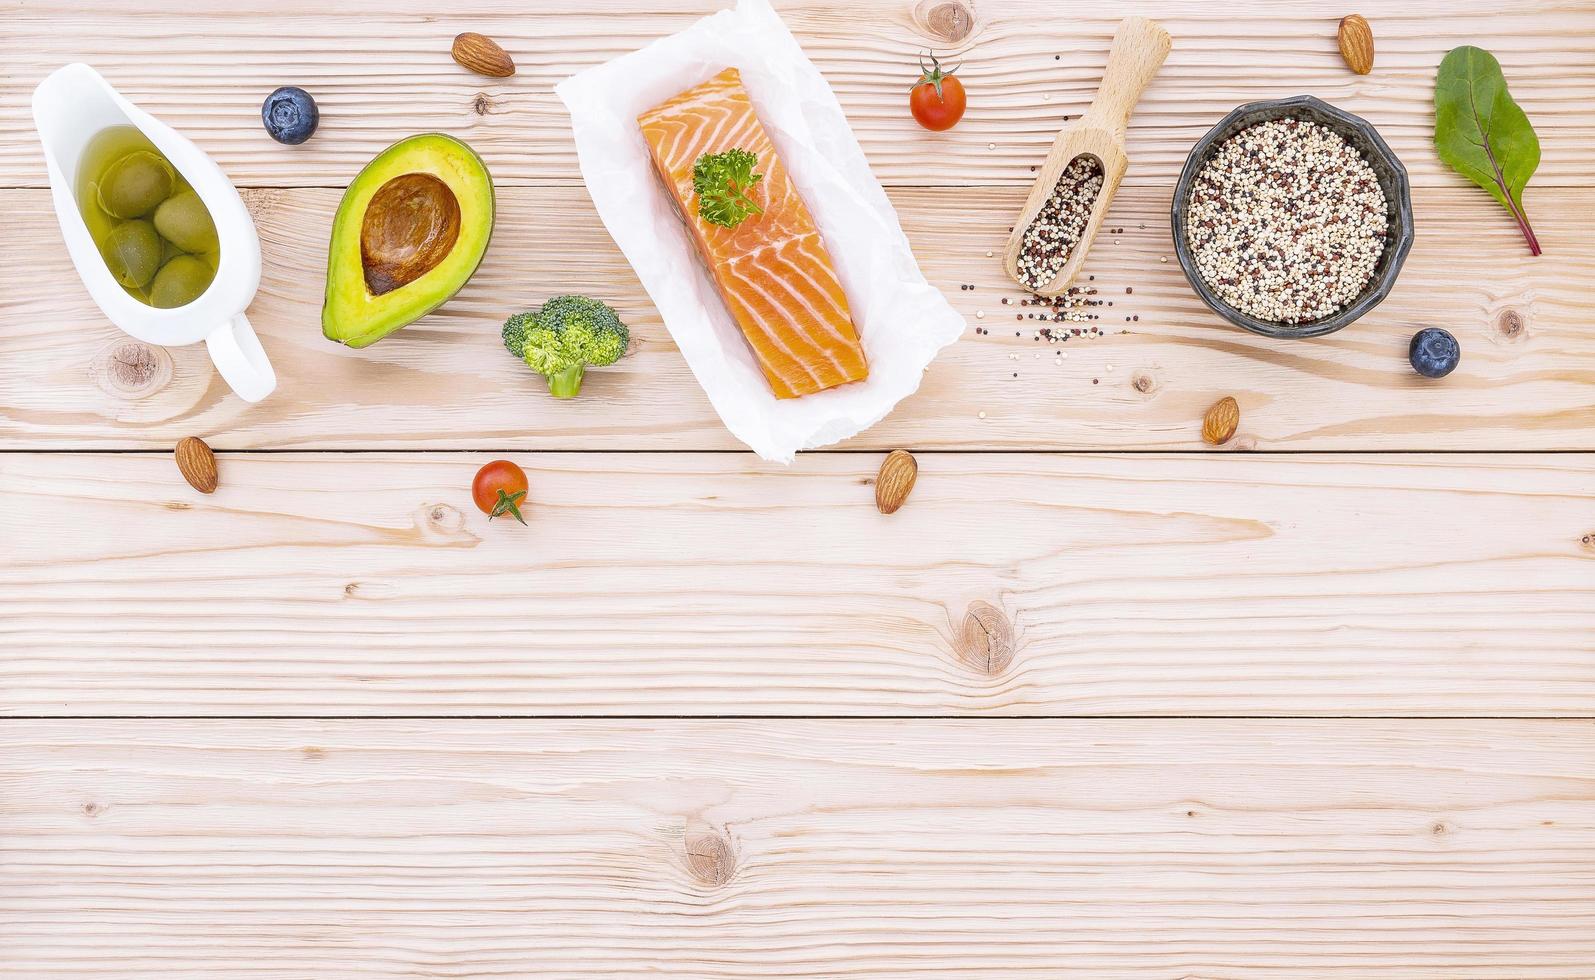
x=772, y=269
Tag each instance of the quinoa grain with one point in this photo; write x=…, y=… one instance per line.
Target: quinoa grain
x=1057, y=228
x=1286, y=222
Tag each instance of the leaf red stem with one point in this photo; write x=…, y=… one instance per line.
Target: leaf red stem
x=1518, y=214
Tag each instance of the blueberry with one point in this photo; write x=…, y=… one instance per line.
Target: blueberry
x=1434, y=352
x=290, y=115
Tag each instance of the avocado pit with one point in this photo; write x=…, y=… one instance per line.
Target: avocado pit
x=411, y=229
x=410, y=225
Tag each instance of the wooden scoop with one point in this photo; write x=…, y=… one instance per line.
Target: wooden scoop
x=1139, y=47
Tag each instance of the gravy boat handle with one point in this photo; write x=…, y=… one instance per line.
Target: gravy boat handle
x=239, y=359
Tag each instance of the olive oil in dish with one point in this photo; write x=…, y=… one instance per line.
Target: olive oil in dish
x=155, y=234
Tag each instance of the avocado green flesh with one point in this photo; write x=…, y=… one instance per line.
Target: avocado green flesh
x=409, y=233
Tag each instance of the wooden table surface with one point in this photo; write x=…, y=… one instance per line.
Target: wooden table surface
x=1324, y=707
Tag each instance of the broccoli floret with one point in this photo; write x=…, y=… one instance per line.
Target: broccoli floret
x=566, y=336
x=515, y=332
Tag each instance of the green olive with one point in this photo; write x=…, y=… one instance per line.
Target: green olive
x=183, y=220
x=180, y=282
x=132, y=251
x=135, y=184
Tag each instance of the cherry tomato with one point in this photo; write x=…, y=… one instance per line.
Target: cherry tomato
x=500, y=488
x=937, y=99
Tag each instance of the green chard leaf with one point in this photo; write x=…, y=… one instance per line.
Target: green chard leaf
x=1482, y=134
x=722, y=182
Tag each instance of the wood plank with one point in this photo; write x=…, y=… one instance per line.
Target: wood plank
x=780, y=849
x=72, y=381
x=666, y=584
x=381, y=73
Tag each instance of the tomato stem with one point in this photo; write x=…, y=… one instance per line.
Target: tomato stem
x=508, y=503
x=933, y=74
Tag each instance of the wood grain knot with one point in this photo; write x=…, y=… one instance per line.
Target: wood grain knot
x=1439, y=829
x=92, y=809
x=987, y=641
x=444, y=517
x=369, y=590
x=710, y=859
x=1509, y=324
x=945, y=21
x=435, y=524
x=131, y=369
x=1144, y=383
x=1588, y=541
x=482, y=104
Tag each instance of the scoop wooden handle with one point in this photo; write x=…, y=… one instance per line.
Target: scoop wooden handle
x=1139, y=47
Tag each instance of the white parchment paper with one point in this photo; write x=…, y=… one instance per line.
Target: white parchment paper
x=902, y=320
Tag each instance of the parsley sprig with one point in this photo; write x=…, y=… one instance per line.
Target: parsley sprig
x=722, y=182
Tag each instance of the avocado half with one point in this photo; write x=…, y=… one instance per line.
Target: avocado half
x=410, y=231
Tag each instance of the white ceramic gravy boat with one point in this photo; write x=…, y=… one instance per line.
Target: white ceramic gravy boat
x=70, y=108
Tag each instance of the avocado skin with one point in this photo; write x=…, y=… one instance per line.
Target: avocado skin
x=350, y=314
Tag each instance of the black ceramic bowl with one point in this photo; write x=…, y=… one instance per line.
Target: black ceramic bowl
x=1392, y=178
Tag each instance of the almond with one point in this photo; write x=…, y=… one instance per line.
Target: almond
x=1220, y=422
x=197, y=464
x=482, y=55
x=895, y=481
x=1356, y=43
